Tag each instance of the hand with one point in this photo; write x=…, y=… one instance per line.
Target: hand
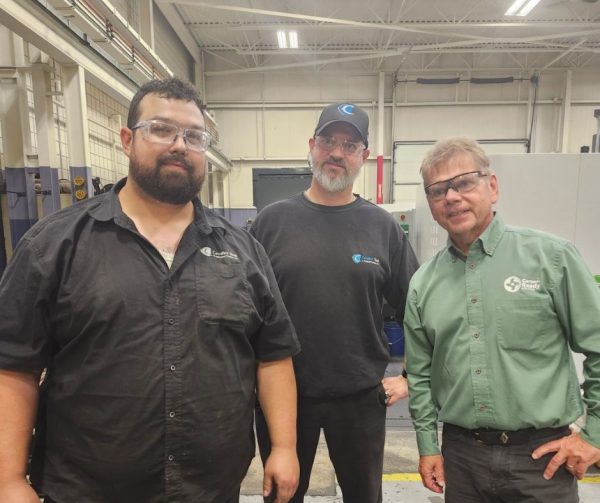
x=282, y=472
x=572, y=449
x=18, y=491
x=395, y=388
x=431, y=469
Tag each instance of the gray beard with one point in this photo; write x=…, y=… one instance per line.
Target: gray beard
x=337, y=184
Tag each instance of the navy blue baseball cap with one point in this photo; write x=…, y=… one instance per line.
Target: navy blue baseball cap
x=348, y=113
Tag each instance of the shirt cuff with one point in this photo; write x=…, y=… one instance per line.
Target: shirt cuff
x=427, y=442
x=591, y=432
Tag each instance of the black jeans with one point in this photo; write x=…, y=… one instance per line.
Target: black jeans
x=478, y=473
x=354, y=428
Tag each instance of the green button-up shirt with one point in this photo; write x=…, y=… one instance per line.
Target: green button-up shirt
x=488, y=336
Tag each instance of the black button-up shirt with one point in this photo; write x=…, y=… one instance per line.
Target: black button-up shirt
x=151, y=370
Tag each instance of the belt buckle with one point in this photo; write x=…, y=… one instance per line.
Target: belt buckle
x=504, y=437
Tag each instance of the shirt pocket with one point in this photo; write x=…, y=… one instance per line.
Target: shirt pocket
x=222, y=292
x=521, y=324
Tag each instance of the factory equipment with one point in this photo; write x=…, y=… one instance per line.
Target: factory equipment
x=82, y=181
x=405, y=214
x=22, y=188
x=596, y=137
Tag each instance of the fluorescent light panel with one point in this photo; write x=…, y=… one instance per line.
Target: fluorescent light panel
x=282, y=39
x=513, y=9
x=528, y=6
x=293, y=39
x=521, y=7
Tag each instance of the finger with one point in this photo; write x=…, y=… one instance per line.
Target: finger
x=554, y=464
x=267, y=485
x=285, y=492
x=283, y=498
x=571, y=464
x=580, y=469
x=440, y=476
x=430, y=483
x=544, y=449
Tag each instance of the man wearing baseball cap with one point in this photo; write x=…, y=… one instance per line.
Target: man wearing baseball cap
x=336, y=257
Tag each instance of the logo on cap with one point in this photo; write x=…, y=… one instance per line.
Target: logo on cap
x=346, y=109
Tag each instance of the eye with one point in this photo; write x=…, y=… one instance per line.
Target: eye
x=464, y=183
x=350, y=148
x=437, y=191
x=195, y=137
x=162, y=130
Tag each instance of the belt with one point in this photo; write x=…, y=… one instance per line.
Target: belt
x=506, y=437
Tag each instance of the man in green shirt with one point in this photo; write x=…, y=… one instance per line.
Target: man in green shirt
x=490, y=321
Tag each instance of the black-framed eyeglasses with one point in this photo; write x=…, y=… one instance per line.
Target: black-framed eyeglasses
x=328, y=144
x=156, y=131
x=462, y=184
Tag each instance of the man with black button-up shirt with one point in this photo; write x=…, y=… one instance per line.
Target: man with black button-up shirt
x=156, y=321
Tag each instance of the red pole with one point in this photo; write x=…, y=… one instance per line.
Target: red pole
x=379, y=179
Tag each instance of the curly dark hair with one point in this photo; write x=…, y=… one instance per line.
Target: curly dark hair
x=171, y=88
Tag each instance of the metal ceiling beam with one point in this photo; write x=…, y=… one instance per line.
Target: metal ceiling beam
x=170, y=12
x=374, y=54
x=305, y=17
x=560, y=56
x=305, y=52
x=250, y=26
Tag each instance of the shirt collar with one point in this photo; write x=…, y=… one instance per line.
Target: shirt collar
x=488, y=241
x=108, y=208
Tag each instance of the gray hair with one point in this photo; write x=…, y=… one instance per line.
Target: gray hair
x=444, y=150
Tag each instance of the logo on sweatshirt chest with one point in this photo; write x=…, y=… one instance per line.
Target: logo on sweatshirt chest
x=357, y=258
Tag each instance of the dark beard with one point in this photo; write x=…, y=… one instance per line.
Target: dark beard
x=171, y=188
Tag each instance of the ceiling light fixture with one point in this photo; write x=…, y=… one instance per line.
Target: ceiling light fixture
x=282, y=39
x=521, y=7
x=293, y=39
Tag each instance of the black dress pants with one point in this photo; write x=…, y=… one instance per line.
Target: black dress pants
x=354, y=429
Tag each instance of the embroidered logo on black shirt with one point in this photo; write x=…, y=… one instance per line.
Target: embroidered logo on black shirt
x=209, y=252
x=357, y=258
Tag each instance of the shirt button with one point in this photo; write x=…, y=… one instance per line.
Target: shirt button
x=172, y=367
x=471, y=265
x=476, y=335
x=171, y=321
x=171, y=457
x=482, y=408
x=171, y=414
x=473, y=300
x=478, y=371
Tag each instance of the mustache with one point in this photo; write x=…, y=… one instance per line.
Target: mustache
x=174, y=158
x=337, y=162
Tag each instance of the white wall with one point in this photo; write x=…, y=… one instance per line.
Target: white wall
x=266, y=120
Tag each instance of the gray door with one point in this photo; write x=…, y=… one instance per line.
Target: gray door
x=270, y=185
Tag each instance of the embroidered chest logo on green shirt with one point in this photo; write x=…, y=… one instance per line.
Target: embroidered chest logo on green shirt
x=513, y=284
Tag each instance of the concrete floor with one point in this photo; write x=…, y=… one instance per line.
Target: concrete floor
x=401, y=481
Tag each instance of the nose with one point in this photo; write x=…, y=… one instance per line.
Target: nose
x=452, y=194
x=337, y=149
x=178, y=144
